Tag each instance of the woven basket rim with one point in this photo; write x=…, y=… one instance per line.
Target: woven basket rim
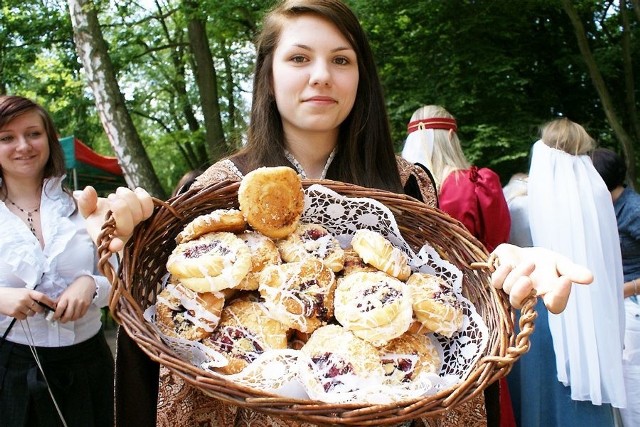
x=126, y=307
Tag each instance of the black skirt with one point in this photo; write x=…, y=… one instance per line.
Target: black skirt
x=79, y=376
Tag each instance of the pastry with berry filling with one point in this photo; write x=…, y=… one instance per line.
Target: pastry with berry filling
x=299, y=294
x=374, y=306
x=409, y=355
x=212, y=262
x=230, y=220
x=340, y=361
x=312, y=240
x=244, y=333
x=181, y=312
x=435, y=305
x=353, y=263
x=264, y=253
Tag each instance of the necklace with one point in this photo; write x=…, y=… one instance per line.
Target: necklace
x=300, y=169
x=29, y=216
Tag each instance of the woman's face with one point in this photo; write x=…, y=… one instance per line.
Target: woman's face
x=24, y=146
x=315, y=75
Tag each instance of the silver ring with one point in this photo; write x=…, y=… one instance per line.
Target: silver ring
x=32, y=302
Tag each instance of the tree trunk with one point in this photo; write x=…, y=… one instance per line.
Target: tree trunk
x=206, y=80
x=623, y=137
x=110, y=102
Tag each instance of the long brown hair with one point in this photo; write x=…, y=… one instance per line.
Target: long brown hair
x=14, y=106
x=365, y=154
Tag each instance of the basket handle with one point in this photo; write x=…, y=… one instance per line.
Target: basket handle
x=528, y=316
x=106, y=236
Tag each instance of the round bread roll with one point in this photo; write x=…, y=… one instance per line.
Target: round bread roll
x=299, y=294
x=374, y=306
x=407, y=356
x=272, y=200
x=244, y=333
x=435, y=305
x=340, y=360
x=264, y=252
x=212, y=262
x=376, y=250
x=312, y=240
x=230, y=220
x=181, y=312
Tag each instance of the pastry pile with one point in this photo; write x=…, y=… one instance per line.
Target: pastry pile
x=249, y=280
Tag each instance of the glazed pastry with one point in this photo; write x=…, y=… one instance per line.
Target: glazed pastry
x=299, y=294
x=212, y=262
x=181, y=312
x=407, y=356
x=272, y=200
x=340, y=360
x=435, y=305
x=353, y=263
x=312, y=240
x=264, y=252
x=374, y=306
x=244, y=333
x=230, y=220
x=376, y=250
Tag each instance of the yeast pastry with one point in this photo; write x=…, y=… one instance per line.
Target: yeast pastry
x=212, y=262
x=434, y=304
x=272, y=200
x=181, y=312
x=376, y=250
x=374, y=306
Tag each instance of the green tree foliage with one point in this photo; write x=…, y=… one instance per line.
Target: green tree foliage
x=502, y=67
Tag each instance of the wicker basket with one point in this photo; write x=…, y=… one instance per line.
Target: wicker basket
x=144, y=263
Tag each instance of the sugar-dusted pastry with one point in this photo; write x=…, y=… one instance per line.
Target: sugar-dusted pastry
x=376, y=250
x=374, y=306
x=272, y=200
x=407, y=356
x=187, y=314
x=264, y=252
x=340, y=361
x=435, y=305
x=212, y=262
x=312, y=240
x=353, y=263
x=230, y=220
x=244, y=333
x=299, y=294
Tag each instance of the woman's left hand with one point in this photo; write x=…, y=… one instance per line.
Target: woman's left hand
x=75, y=300
x=550, y=274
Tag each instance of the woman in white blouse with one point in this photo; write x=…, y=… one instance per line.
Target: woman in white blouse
x=56, y=367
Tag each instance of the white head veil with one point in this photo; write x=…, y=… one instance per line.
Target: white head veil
x=418, y=147
x=571, y=212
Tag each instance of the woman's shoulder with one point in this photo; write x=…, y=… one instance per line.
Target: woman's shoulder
x=223, y=170
x=417, y=181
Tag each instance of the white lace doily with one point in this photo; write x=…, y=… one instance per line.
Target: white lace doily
x=286, y=372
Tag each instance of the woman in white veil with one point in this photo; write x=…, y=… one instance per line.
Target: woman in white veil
x=571, y=213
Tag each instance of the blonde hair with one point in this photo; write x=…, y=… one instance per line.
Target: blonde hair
x=570, y=137
x=447, y=155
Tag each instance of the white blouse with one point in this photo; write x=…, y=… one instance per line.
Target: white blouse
x=68, y=254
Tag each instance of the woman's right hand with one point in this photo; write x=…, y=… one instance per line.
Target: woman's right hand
x=128, y=207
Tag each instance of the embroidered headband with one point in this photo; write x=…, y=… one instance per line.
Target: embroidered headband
x=433, y=123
